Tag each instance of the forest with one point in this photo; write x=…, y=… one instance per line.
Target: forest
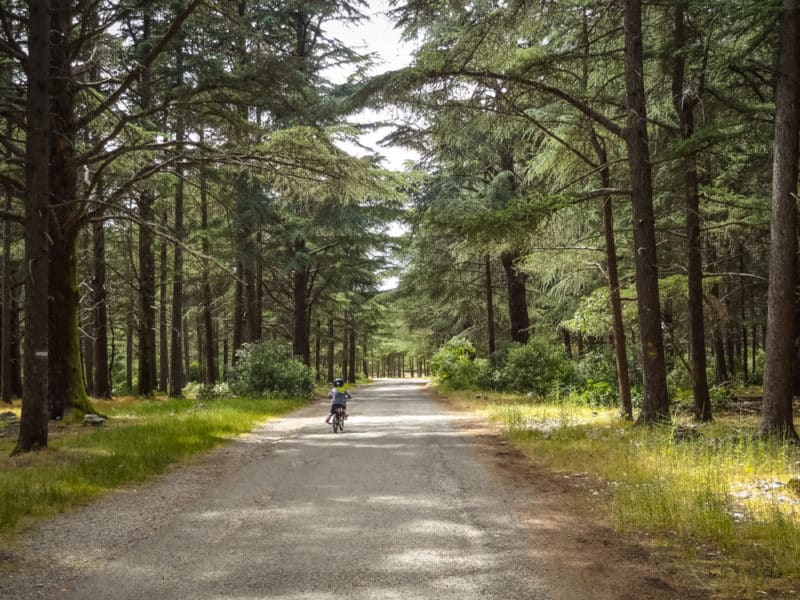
x=597, y=178
x=599, y=211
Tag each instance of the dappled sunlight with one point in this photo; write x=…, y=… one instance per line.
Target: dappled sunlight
x=432, y=560
x=394, y=507
x=448, y=527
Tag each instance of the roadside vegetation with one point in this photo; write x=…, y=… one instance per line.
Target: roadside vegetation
x=712, y=494
x=142, y=437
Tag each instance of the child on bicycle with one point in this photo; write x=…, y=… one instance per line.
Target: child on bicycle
x=339, y=397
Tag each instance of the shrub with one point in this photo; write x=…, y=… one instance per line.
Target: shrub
x=268, y=369
x=202, y=391
x=535, y=367
x=598, y=393
x=596, y=364
x=454, y=364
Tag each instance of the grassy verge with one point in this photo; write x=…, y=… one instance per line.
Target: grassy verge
x=141, y=439
x=728, y=504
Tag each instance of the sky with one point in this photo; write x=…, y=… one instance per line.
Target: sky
x=378, y=36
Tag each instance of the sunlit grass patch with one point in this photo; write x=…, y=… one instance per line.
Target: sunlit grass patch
x=712, y=491
x=141, y=438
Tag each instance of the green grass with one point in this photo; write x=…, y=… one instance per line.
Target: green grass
x=142, y=438
x=713, y=497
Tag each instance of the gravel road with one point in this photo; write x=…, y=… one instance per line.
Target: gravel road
x=402, y=505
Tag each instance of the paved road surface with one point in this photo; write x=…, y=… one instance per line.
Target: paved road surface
x=399, y=506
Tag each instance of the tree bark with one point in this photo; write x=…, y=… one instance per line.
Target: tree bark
x=721, y=376
x=176, y=374
x=7, y=284
x=147, y=297
x=163, y=323
x=489, y=305
x=517, y=298
x=33, y=423
x=655, y=405
x=615, y=301
x=66, y=390
x=102, y=377
x=345, y=346
x=208, y=300
x=252, y=313
x=331, y=350
x=776, y=416
x=351, y=373
x=147, y=268
x=66, y=386
x=684, y=107
x=87, y=318
x=300, y=336
x=130, y=327
x=318, y=351
x=187, y=360
x=238, y=312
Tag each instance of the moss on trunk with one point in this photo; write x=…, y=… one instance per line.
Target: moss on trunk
x=66, y=387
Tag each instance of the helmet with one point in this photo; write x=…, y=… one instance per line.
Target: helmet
x=338, y=382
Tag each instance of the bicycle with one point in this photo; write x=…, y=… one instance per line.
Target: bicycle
x=338, y=419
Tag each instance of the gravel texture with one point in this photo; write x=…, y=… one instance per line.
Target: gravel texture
x=407, y=503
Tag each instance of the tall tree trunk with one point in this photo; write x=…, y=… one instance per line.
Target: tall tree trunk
x=615, y=301
x=776, y=416
x=517, y=297
x=147, y=267
x=655, y=405
x=208, y=300
x=130, y=327
x=66, y=389
x=16, y=340
x=176, y=374
x=567, y=343
x=489, y=304
x=300, y=335
x=187, y=360
x=66, y=386
x=147, y=297
x=345, y=346
x=8, y=278
x=225, y=358
x=365, y=361
x=318, y=351
x=331, y=350
x=729, y=346
x=351, y=363
x=684, y=107
x=721, y=376
x=743, y=319
x=102, y=378
x=33, y=423
x=252, y=317
x=201, y=351
x=87, y=317
x=8, y=284
x=163, y=323
x=238, y=312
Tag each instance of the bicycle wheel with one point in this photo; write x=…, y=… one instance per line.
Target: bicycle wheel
x=336, y=424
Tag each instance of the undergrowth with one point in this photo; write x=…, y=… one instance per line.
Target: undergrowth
x=715, y=493
x=141, y=438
